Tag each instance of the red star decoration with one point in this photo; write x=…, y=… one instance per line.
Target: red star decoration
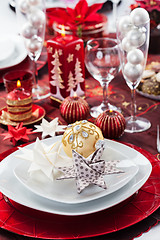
x=17, y=133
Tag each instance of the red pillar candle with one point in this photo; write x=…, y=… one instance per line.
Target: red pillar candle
x=66, y=67
x=19, y=104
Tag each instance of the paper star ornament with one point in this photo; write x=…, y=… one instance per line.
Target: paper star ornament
x=17, y=133
x=90, y=170
x=49, y=128
x=46, y=159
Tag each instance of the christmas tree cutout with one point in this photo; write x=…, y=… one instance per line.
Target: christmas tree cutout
x=71, y=83
x=56, y=75
x=78, y=77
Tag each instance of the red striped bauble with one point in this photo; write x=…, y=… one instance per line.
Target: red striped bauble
x=111, y=123
x=74, y=109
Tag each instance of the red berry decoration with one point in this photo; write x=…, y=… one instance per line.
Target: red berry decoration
x=111, y=123
x=74, y=109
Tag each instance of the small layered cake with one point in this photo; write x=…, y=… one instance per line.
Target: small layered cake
x=19, y=105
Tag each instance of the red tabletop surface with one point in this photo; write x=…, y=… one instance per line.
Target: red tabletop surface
x=119, y=94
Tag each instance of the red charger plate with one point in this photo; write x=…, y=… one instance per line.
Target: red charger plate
x=29, y=222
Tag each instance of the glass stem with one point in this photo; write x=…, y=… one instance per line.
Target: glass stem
x=35, y=74
x=105, y=94
x=133, y=104
x=114, y=13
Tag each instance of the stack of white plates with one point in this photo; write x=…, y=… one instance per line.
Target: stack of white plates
x=61, y=197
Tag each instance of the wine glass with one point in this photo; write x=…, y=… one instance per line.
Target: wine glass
x=32, y=21
x=133, y=41
x=102, y=61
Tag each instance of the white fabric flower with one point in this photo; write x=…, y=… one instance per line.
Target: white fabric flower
x=45, y=158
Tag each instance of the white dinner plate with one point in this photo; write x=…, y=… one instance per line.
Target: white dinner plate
x=7, y=48
x=65, y=190
x=151, y=96
x=71, y=4
x=18, y=54
x=13, y=189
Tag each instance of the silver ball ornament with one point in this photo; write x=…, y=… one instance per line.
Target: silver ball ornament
x=23, y=6
x=34, y=45
x=126, y=46
x=136, y=37
x=28, y=31
x=135, y=56
x=139, y=16
x=132, y=72
x=125, y=24
x=34, y=2
x=36, y=18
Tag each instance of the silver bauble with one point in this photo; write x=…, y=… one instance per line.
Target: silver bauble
x=139, y=16
x=136, y=37
x=132, y=72
x=135, y=56
x=34, y=45
x=34, y=2
x=28, y=31
x=126, y=46
x=125, y=24
x=23, y=6
x=36, y=18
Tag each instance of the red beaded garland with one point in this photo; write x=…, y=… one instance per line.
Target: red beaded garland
x=111, y=123
x=74, y=109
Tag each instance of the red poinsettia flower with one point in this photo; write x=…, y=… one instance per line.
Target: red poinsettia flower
x=81, y=14
x=149, y=5
x=17, y=133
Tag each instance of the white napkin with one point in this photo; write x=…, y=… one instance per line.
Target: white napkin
x=46, y=159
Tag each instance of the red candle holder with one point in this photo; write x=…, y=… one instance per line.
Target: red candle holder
x=111, y=123
x=74, y=109
x=19, y=98
x=10, y=80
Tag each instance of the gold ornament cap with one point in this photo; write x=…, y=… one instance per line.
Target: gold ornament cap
x=81, y=136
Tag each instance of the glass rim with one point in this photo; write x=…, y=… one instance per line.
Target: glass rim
x=17, y=71
x=103, y=38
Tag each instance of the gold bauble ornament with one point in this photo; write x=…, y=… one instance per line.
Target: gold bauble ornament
x=81, y=136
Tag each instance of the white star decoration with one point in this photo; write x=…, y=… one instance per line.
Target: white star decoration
x=60, y=52
x=49, y=128
x=55, y=55
x=45, y=158
x=70, y=58
x=49, y=49
x=78, y=46
x=89, y=170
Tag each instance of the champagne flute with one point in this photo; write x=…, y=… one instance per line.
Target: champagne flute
x=102, y=61
x=133, y=39
x=32, y=21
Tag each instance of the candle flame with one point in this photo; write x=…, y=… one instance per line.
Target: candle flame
x=63, y=31
x=110, y=110
x=75, y=94
x=18, y=83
